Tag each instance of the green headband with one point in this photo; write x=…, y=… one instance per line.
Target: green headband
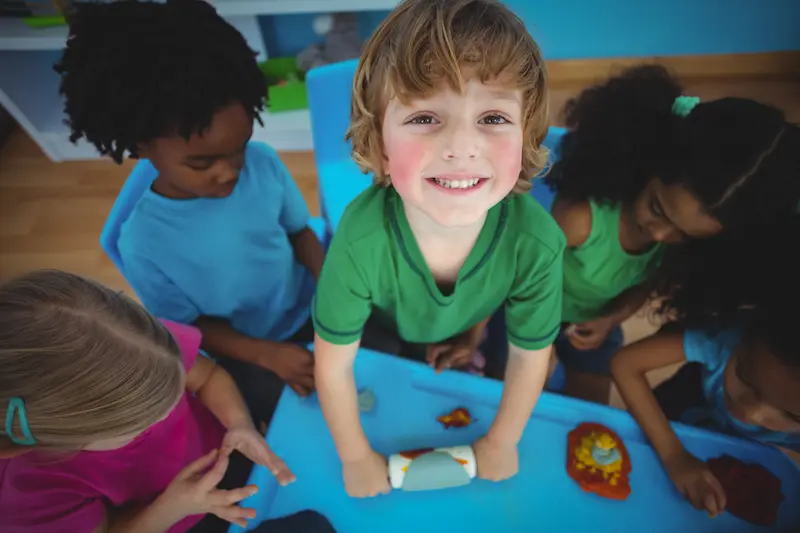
x=683, y=105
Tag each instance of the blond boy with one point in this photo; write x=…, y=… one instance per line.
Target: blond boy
x=449, y=109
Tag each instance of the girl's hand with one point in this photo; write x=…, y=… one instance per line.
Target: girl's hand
x=194, y=491
x=695, y=481
x=250, y=443
x=496, y=461
x=592, y=334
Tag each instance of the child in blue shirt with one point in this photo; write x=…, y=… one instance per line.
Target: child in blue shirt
x=221, y=238
x=742, y=378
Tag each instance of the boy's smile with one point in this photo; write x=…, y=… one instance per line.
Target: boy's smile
x=455, y=155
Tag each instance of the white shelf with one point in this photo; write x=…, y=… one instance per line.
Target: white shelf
x=287, y=131
x=282, y=7
x=16, y=35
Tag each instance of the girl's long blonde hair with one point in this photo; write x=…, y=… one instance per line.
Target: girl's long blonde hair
x=89, y=363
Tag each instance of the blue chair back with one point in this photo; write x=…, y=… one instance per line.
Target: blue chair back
x=133, y=189
x=330, y=92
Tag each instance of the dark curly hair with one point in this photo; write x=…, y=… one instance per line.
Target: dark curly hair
x=740, y=158
x=135, y=71
x=709, y=282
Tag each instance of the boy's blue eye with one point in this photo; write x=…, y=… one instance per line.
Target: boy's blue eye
x=494, y=120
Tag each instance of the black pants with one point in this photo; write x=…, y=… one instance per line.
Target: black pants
x=261, y=389
x=236, y=476
x=682, y=392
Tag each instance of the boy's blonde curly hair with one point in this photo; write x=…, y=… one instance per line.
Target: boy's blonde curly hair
x=425, y=42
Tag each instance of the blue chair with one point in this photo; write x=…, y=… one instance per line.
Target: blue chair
x=132, y=190
x=330, y=90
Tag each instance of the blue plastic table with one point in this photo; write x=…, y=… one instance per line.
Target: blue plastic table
x=541, y=498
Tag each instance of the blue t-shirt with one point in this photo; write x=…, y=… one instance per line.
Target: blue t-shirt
x=229, y=258
x=713, y=351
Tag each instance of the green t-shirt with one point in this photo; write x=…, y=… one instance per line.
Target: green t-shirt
x=599, y=270
x=375, y=266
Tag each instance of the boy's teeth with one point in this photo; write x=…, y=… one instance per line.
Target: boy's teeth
x=457, y=184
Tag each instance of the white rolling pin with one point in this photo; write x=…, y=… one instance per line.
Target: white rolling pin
x=432, y=469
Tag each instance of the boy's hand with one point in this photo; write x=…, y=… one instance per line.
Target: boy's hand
x=456, y=352
x=294, y=365
x=366, y=477
x=496, y=460
x=194, y=491
x=695, y=481
x=250, y=443
x=591, y=335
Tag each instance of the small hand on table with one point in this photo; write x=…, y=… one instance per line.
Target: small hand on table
x=496, y=460
x=294, y=365
x=455, y=352
x=592, y=334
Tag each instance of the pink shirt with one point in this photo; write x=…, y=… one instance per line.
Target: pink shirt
x=70, y=495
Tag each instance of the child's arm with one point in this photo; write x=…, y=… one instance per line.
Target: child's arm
x=294, y=364
x=216, y=389
x=308, y=250
x=525, y=377
x=591, y=334
x=364, y=470
x=629, y=368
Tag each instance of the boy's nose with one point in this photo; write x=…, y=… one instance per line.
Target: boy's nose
x=461, y=143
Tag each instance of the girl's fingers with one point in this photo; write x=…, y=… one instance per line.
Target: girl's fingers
x=213, y=477
x=234, y=514
x=225, y=498
x=198, y=465
x=278, y=468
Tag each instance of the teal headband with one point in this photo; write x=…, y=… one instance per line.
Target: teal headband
x=683, y=105
x=17, y=407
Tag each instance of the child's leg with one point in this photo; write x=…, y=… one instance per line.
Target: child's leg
x=588, y=372
x=683, y=393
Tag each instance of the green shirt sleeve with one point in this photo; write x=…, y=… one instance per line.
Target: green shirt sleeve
x=533, y=309
x=342, y=303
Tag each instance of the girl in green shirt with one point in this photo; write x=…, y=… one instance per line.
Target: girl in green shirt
x=646, y=177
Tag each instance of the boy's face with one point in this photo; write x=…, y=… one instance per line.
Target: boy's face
x=208, y=164
x=760, y=389
x=454, y=156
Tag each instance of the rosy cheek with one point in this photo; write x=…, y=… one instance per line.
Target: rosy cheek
x=405, y=158
x=507, y=157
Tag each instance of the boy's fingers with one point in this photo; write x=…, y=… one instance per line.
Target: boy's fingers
x=456, y=357
x=718, y=492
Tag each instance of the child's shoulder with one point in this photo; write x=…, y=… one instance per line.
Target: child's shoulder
x=711, y=347
x=530, y=221
x=365, y=214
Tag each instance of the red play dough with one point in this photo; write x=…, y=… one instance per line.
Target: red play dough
x=594, y=482
x=753, y=492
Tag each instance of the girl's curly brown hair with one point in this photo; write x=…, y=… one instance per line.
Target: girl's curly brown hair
x=425, y=42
